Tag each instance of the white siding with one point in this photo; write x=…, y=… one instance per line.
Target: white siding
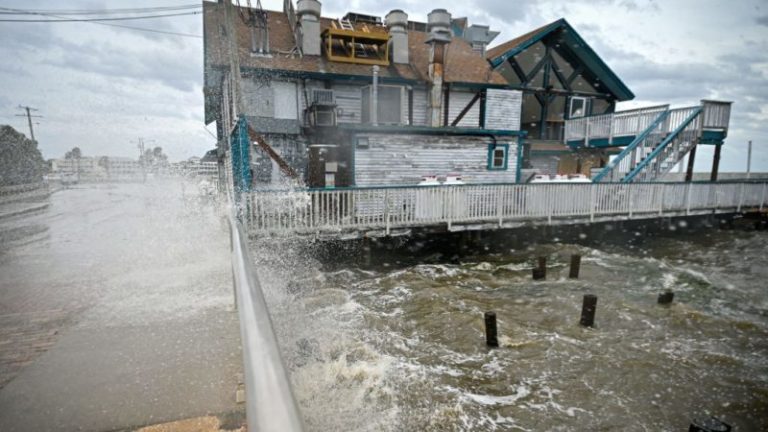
x=404, y=159
x=456, y=103
x=419, y=107
x=285, y=100
x=502, y=109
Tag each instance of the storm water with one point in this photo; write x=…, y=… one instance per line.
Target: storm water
x=399, y=345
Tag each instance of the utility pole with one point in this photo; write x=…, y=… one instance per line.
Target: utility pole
x=142, y=156
x=29, y=116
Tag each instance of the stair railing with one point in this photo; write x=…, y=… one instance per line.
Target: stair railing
x=679, y=120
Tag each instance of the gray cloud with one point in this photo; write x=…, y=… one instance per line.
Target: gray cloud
x=763, y=20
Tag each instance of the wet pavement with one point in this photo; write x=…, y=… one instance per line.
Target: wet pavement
x=116, y=310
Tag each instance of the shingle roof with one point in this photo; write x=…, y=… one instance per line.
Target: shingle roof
x=577, y=47
x=462, y=64
x=512, y=43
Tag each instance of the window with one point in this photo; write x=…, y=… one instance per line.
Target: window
x=498, y=156
x=578, y=107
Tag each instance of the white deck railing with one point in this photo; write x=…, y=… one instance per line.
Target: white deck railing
x=314, y=211
x=632, y=122
x=622, y=123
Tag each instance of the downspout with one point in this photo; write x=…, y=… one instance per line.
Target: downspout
x=375, y=97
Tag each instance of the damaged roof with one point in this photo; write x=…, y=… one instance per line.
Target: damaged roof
x=463, y=65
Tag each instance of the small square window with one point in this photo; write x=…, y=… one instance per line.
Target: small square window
x=363, y=143
x=497, y=156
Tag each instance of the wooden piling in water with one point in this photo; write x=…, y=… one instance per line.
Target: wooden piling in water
x=666, y=297
x=588, y=308
x=540, y=272
x=491, y=334
x=575, y=266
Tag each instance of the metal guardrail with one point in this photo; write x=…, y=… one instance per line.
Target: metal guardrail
x=270, y=404
x=336, y=211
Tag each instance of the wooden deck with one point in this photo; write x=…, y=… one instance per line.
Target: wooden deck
x=376, y=212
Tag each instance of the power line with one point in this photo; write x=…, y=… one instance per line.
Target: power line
x=101, y=19
x=144, y=29
x=97, y=11
x=29, y=116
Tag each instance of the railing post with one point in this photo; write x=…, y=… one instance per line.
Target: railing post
x=592, y=203
x=629, y=199
x=741, y=197
x=663, y=188
x=688, y=199
x=500, y=205
x=762, y=198
x=586, y=132
x=549, y=204
x=447, y=204
x=386, y=210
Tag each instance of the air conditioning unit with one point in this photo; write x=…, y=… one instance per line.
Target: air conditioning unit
x=323, y=97
x=320, y=115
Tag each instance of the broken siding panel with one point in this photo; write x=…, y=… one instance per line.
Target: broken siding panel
x=458, y=100
x=502, y=109
x=419, y=107
x=404, y=159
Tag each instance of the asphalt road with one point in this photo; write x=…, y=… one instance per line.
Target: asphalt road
x=116, y=310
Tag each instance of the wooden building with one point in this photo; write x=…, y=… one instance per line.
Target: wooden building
x=561, y=78
x=361, y=100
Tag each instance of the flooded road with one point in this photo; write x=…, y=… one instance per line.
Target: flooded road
x=400, y=345
x=116, y=310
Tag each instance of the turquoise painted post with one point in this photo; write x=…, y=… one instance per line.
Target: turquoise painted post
x=241, y=158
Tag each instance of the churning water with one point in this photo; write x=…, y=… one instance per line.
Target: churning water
x=400, y=345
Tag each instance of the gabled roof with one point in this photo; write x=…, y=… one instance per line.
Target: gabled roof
x=575, y=45
x=462, y=64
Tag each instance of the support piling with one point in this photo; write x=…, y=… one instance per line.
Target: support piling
x=491, y=333
x=588, y=308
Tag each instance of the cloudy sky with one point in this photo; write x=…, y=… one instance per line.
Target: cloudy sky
x=101, y=88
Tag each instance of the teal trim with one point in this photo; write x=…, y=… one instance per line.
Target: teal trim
x=574, y=144
x=712, y=137
x=491, y=149
x=639, y=139
x=241, y=159
x=580, y=49
x=282, y=73
x=519, y=173
x=426, y=130
x=616, y=142
x=661, y=146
